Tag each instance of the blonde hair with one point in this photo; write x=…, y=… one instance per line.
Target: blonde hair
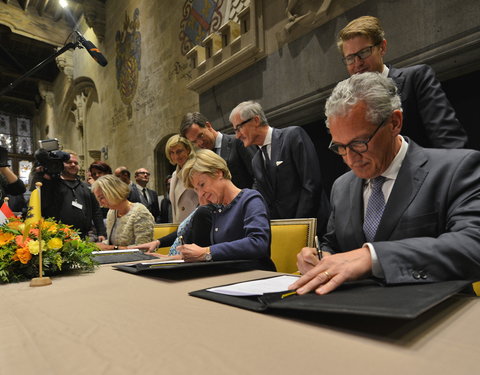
x=204, y=161
x=176, y=140
x=114, y=189
x=366, y=26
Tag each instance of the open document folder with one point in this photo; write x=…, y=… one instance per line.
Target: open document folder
x=364, y=297
x=120, y=256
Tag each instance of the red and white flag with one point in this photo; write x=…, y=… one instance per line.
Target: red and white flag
x=5, y=213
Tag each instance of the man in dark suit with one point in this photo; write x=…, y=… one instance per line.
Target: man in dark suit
x=403, y=214
x=428, y=117
x=140, y=193
x=198, y=130
x=285, y=166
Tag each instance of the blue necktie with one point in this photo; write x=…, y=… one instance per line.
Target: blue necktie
x=375, y=207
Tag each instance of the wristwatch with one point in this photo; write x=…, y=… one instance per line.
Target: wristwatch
x=115, y=247
x=208, y=255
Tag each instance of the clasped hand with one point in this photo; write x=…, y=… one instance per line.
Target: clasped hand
x=331, y=271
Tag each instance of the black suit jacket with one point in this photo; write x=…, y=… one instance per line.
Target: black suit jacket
x=239, y=160
x=430, y=229
x=293, y=186
x=428, y=117
x=137, y=196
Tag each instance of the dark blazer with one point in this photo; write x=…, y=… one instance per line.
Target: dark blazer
x=294, y=189
x=428, y=117
x=137, y=196
x=430, y=229
x=239, y=160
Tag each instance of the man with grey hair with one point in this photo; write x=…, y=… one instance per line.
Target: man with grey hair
x=285, y=166
x=403, y=214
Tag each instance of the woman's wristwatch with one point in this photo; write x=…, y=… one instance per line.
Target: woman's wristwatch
x=208, y=255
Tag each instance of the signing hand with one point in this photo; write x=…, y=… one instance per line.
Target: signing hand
x=332, y=271
x=192, y=252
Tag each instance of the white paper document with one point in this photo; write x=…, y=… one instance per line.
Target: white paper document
x=110, y=252
x=257, y=287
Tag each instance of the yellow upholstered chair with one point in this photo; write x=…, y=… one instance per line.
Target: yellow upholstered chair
x=476, y=288
x=160, y=230
x=289, y=236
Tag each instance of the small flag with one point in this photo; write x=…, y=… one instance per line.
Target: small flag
x=34, y=211
x=5, y=213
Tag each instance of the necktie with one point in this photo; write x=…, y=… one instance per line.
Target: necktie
x=375, y=207
x=145, y=194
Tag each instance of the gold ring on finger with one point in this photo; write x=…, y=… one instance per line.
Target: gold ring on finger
x=327, y=275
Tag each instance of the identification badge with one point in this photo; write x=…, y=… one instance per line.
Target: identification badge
x=77, y=205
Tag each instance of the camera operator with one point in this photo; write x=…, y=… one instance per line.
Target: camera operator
x=64, y=196
x=10, y=184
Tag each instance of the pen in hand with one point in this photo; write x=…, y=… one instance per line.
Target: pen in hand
x=319, y=250
x=182, y=241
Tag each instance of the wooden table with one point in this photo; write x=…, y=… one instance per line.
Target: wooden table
x=111, y=322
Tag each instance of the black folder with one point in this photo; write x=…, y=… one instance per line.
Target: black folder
x=145, y=268
x=107, y=257
x=364, y=297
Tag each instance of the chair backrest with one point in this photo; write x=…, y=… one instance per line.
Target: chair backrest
x=289, y=236
x=160, y=230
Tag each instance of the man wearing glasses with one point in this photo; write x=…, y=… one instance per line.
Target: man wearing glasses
x=285, y=166
x=403, y=214
x=428, y=117
x=198, y=130
x=140, y=193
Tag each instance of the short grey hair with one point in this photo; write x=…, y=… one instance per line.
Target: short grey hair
x=249, y=109
x=378, y=92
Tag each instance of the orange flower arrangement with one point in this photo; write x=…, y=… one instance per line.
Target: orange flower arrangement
x=62, y=249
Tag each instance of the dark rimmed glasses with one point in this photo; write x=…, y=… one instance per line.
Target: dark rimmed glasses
x=239, y=126
x=362, y=54
x=356, y=146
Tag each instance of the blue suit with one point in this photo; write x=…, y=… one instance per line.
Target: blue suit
x=293, y=186
x=428, y=117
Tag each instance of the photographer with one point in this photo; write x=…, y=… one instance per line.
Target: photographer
x=10, y=184
x=64, y=196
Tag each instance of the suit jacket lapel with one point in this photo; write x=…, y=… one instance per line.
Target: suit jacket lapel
x=262, y=180
x=410, y=178
x=398, y=78
x=225, y=149
x=276, y=147
x=356, y=215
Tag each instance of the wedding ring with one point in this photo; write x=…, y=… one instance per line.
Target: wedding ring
x=327, y=275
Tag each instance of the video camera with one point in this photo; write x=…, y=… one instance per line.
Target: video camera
x=50, y=157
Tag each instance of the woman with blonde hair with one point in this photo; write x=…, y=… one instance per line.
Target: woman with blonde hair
x=183, y=200
x=240, y=226
x=127, y=223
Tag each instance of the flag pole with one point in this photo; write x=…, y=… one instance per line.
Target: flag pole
x=40, y=281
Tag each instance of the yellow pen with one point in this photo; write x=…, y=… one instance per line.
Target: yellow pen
x=289, y=294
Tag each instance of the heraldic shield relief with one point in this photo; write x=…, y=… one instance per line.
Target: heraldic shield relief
x=200, y=17
x=128, y=59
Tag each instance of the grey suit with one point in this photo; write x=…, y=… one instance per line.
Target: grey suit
x=239, y=160
x=428, y=117
x=430, y=229
x=293, y=186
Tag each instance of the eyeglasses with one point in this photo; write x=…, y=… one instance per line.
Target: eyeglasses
x=362, y=54
x=145, y=173
x=356, y=146
x=239, y=126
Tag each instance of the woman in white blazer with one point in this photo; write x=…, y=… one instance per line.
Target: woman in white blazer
x=178, y=150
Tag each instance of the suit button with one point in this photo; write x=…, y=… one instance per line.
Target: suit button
x=416, y=275
x=183, y=208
